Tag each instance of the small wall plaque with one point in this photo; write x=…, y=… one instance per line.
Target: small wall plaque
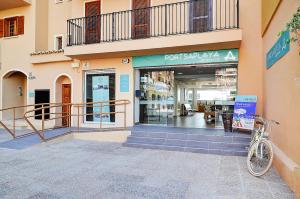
x=124, y=83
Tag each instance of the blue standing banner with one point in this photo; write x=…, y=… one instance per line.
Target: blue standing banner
x=244, y=111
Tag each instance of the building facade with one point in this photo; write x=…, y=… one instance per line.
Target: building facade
x=281, y=90
x=149, y=52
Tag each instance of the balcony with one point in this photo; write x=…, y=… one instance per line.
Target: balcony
x=8, y=4
x=187, y=25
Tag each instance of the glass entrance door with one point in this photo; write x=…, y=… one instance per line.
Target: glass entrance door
x=157, y=100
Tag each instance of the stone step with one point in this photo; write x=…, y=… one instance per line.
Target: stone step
x=193, y=136
x=231, y=152
x=189, y=143
x=211, y=141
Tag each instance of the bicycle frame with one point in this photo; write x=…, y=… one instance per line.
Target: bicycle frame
x=262, y=133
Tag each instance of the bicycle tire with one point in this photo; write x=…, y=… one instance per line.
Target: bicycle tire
x=251, y=152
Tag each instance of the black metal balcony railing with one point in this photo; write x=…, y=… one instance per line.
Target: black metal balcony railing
x=170, y=19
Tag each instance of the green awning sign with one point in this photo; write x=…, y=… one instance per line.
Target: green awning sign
x=202, y=57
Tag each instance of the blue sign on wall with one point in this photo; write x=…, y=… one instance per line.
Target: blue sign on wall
x=124, y=83
x=280, y=48
x=244, y=111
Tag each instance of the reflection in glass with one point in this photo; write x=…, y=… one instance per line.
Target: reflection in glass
x=157, y=100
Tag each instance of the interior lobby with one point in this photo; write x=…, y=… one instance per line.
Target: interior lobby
x=187, y=96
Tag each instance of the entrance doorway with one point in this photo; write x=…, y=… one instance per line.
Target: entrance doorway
x=100, y=86
x=14, y=93
x=191, y=97
x=66, y=99
x=63, y=95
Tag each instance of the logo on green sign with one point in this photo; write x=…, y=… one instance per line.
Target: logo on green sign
x=280, y=48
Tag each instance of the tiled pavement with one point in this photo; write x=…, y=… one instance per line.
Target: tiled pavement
x=84, y=169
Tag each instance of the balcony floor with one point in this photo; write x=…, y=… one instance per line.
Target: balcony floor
x=223, y=39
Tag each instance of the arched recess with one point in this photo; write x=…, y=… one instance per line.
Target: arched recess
x=63, y=94
x=14, y=93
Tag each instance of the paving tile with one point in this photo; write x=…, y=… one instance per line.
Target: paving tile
x=258, y=194
x=229, y=190
x=284, y=196
x=42, y=195
x=84, y=169
x=279, y=188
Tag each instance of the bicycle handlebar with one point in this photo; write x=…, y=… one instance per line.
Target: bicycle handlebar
x=264, y=121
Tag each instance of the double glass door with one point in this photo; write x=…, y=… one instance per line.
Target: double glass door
x=157, y=97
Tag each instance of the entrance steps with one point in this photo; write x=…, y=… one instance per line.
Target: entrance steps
x=209, y=141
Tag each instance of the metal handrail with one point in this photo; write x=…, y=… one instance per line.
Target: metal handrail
x=14, y=119
x=42, y=107
x=70, y=115
x=154, y=21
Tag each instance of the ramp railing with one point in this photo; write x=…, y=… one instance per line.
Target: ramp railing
x=107, y=115
x=13, y=117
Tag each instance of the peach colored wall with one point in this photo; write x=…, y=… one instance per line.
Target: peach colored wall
x=41, y=26
x=107, y=6
x=282, y=91
x=12, y=96
x=59, y=13
x=250, y=68
x=268, y=9
x=47, y=74
x=15, y=51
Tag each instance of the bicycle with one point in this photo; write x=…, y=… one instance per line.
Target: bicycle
x=260, y=154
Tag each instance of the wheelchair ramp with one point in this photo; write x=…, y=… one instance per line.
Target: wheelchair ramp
x=29, y=140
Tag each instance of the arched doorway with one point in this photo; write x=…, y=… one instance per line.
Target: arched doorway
x=14, y=93
x=63, y=95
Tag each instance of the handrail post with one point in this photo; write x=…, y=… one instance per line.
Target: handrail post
x=78, y=122
x=166, y=20
x=14, y=122
x=124, y=114
x=43, y=119
x=238, y=13
x=101, y=115
x=70, y=116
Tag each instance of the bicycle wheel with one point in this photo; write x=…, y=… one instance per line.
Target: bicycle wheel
x=260, y=158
